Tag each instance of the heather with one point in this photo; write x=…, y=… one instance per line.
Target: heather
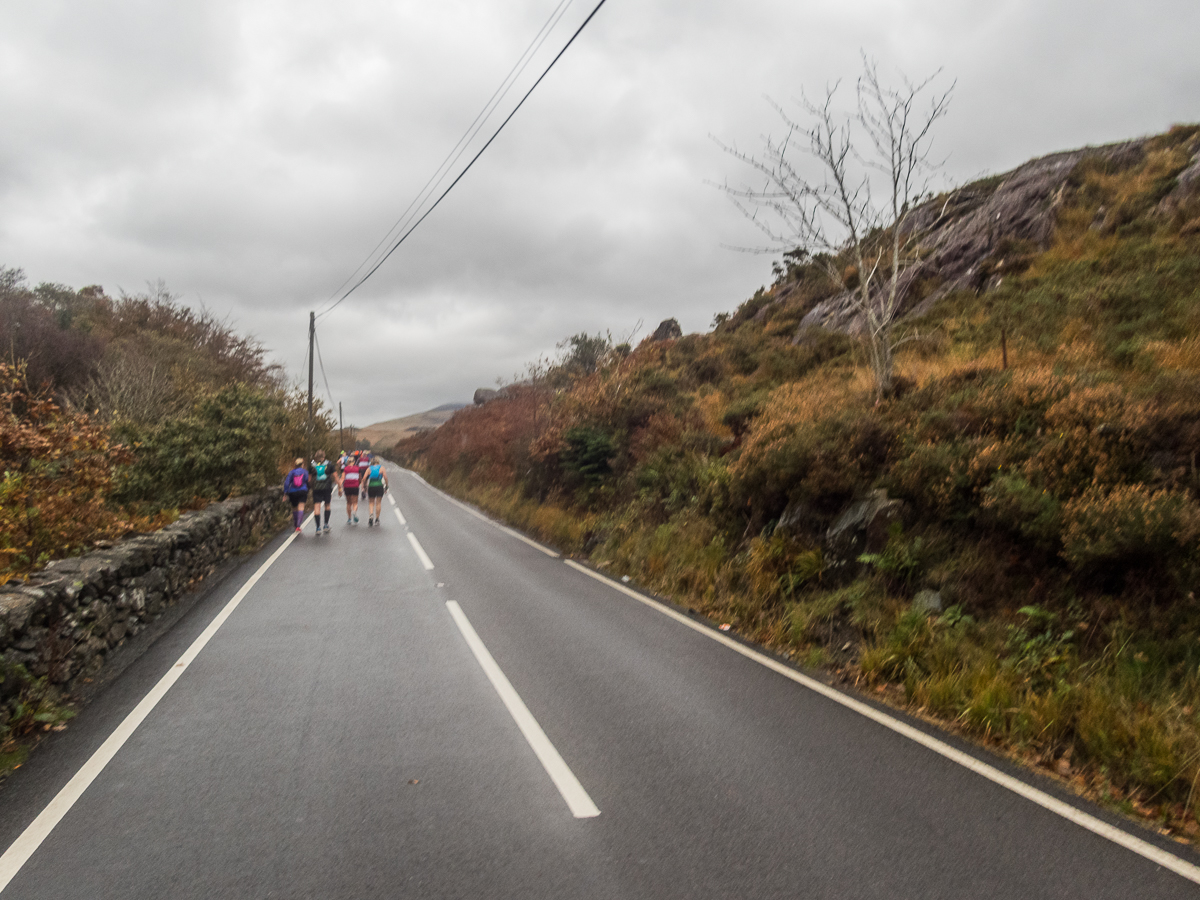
x=1035, y=584
x=116, y=413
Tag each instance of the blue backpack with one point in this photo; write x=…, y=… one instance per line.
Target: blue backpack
x=320, y=475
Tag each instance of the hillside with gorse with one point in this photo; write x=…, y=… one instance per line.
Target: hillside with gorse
x=1005, y=543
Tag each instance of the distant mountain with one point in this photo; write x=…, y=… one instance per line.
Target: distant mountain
x=383, y=435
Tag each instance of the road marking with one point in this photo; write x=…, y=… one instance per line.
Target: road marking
x=564, y=779
x=399, y=515
x=1041, y=798
x=39, y=829
x=416, y=545
x=481, y=517
x=391, y=499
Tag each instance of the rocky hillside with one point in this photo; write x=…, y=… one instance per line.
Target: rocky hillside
x=1009, y=541
x=975, y=236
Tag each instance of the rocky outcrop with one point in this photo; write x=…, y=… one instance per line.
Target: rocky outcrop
x=863, y=527
x=64, y=620
x=483, y=395
x=969, y=239
x=667, y=330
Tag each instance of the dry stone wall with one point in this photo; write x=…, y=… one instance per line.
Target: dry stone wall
x=66, y=618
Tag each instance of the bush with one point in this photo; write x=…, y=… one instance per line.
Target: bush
x=58, y=471
x=1021, y=508
x=1129, y=524
x=587, y=455
x=226, y=445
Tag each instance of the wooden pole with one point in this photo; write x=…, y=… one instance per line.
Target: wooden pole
x=312, y=334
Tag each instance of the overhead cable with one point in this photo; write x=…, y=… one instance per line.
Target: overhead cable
x=459, y=178
x=324, y=377
x=460, y=147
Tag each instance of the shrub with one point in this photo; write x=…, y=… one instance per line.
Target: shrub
x=224, y=446
x=935, y=476
x=1129, y=524
x=587, y=454
x=902, y=559
x=58, y=471
x=1023, y=509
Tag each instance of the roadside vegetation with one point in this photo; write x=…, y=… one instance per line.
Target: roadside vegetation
x=116, y=415
x=1035, y=587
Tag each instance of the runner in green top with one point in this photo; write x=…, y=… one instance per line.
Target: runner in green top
x=322, y=477
x=375, y=478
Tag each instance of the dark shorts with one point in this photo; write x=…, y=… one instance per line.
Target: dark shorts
x=297, y=498
x=322, y=495
x=351, y=491
x=375, y=492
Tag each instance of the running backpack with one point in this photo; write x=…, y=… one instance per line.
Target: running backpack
x=321, y=473
x=297, y=480
x=375, y=478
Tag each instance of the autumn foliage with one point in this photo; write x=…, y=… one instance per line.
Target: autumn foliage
x=1042, y=440
x=58, y=474
x=121, y=411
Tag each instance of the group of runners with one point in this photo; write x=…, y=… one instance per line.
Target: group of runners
x=355, y=474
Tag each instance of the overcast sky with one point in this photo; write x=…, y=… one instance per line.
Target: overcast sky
x=251, y=154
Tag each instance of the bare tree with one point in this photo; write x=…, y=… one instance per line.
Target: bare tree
x=852, y=218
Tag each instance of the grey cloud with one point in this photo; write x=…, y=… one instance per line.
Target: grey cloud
x=252, y=153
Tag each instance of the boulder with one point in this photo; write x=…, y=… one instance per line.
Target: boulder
x=861, y=528
x=667, y=330
x=798, y=518
x=928, y=601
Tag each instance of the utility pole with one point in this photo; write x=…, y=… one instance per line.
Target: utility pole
x=341, y=440
x=312, y=335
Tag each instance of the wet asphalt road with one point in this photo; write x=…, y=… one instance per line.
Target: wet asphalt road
x=338, y=738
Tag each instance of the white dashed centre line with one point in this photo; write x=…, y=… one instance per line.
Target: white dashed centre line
x=564, y=779
x=424, y=557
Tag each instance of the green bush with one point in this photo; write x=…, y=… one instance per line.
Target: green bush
x=1023, y=509
x=588, y=455
x=226, y=445
x=1129, y=524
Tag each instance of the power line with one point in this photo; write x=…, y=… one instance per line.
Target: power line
x=460, y=147
x=324, y=378
x=496, y=133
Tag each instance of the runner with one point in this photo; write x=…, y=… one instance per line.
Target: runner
x=323, y=479
x=351, y=475
x=377, y=485
x=295, y=485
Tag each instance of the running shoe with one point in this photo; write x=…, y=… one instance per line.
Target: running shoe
x=297, y=529
x=327, y=528
x=356, y=520
x=370, y=521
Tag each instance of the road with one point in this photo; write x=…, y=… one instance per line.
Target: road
x=443, y=708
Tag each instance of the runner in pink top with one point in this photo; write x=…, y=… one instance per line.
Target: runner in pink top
x=351, y=476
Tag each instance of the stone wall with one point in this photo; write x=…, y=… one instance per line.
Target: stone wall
x=65, y=619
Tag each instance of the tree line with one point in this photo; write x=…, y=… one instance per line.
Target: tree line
x=118, y=412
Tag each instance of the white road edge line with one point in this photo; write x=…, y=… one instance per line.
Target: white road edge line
x=564, y=779
x=39, y=829
x=399, y=515
x=1041, y=798
x=416, y=545
x=477, y=514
